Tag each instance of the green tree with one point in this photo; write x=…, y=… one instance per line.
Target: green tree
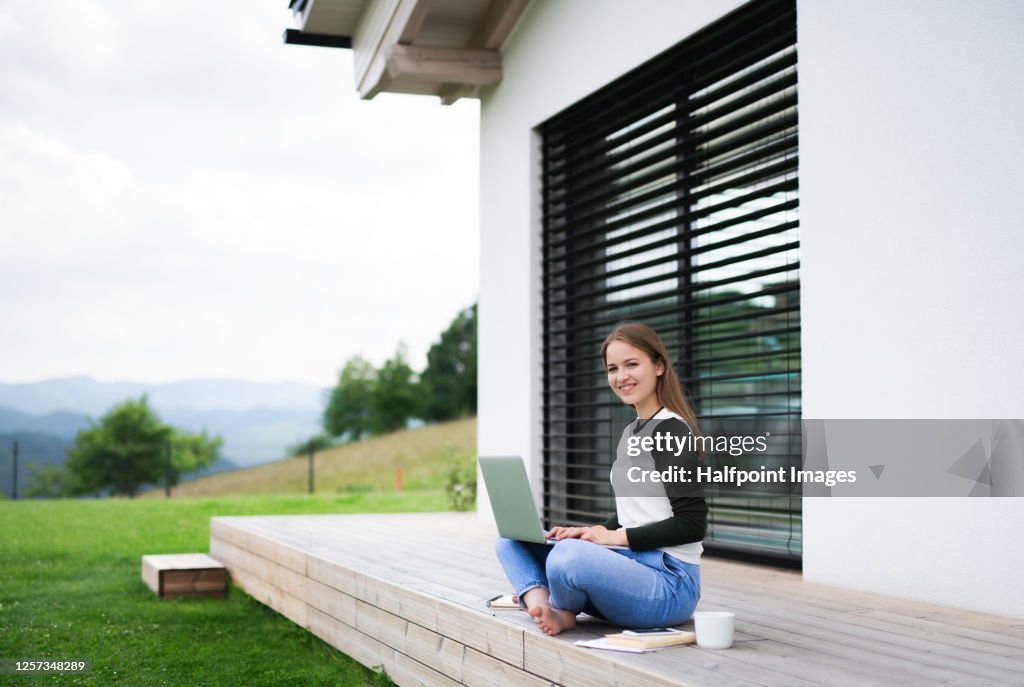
x=190, y=452
x=319, y=442
x=396, y=395
x=128, y=448
x=449, y=382
x=370, y=401
x=349, y=410
x=47, y=481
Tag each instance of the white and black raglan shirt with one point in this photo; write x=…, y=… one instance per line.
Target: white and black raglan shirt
x=669, y=516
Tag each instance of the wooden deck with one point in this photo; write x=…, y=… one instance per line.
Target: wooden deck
x=407, y=592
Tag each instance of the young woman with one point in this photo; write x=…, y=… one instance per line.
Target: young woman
x=656, y=581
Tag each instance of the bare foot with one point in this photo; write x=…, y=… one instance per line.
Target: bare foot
x=552, y=620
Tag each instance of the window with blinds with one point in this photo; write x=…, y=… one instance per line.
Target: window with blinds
x=670, y=197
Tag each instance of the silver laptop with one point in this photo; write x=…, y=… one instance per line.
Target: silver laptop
x=515, y=512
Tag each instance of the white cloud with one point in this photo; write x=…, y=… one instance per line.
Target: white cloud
x=195, y=199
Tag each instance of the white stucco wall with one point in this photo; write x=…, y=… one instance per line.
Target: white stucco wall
x=911, y=164
x=911, y=152
x=558, y=53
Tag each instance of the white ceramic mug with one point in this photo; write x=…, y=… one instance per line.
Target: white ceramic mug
x=714, y=629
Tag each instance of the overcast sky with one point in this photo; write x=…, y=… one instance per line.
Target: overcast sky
x=182, y=196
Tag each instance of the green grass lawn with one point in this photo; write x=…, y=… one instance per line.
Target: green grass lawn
x=70, y=589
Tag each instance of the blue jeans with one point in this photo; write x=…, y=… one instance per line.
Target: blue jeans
x=629, y=588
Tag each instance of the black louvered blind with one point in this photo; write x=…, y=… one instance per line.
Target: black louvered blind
x=671, y=197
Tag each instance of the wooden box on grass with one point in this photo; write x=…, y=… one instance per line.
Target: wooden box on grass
x=184, y=574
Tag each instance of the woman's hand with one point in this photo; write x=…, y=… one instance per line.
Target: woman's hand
x=599, y=534
x=560, y=533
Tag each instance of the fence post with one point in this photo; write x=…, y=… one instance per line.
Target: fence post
x=14, y=479
x=309, y=455
x=167, y=475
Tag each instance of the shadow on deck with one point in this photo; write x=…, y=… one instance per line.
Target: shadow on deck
x=407, y=592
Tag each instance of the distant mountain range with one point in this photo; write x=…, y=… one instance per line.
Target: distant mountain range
x=63, y=423
x=258, y=422
x=35, y=450
x=88, y=396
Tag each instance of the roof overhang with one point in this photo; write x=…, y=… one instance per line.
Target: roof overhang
x=447, y=48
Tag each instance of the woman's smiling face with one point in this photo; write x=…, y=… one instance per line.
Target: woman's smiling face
x=633, y=376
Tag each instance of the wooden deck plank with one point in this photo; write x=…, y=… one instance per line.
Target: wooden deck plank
x=749, y=661
x=573, y=666
x=260, y=541
x=460, y=663
x=248, y=569
x=408, y=592
x=956, y=642
x=474, y=629
x=950, y=639
x=402, y=669
x=463, y=663
x=282, y=602
x=1010, y=644
x=835, y=640
x=789, y=584
x=819, y=669
x=951, y=632
x=266, y=569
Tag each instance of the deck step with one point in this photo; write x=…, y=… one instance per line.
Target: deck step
x=184, y=574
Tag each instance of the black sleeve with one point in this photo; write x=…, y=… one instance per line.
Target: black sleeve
x=689, y=519
x=611, y=523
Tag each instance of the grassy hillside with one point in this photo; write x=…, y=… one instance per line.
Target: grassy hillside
x=424, y=455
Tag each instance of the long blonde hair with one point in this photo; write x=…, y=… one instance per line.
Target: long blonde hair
x=669, y=393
